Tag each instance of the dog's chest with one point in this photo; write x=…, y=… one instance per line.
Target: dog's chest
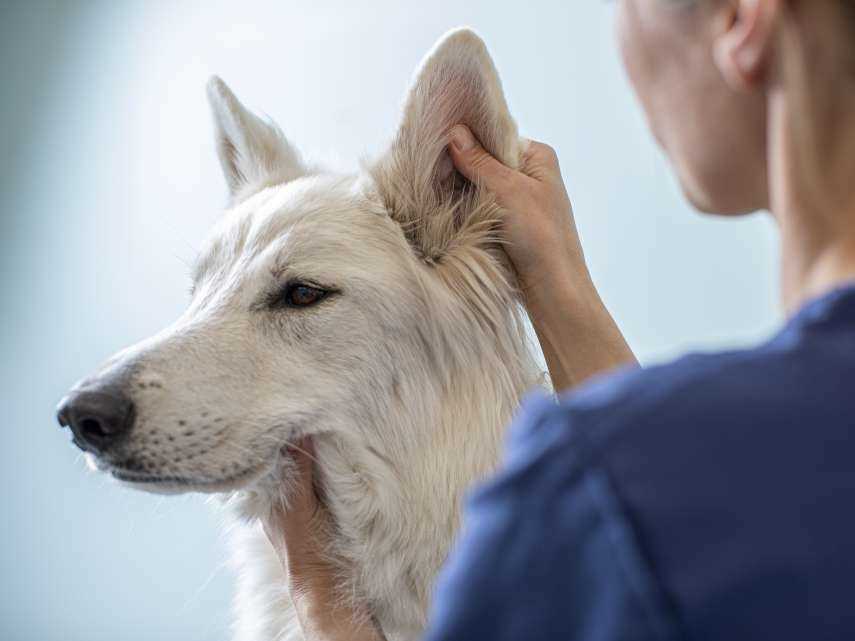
x=390, y=558
x=392, y=552
x=263, y=607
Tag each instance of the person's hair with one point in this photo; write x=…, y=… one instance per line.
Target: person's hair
x=848, y=9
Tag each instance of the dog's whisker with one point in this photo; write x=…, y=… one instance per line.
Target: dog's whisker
x=214, y=573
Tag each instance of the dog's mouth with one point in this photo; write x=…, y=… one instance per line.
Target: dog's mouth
x=176, y=484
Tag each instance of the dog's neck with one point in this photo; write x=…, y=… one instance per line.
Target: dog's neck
x=397, y=500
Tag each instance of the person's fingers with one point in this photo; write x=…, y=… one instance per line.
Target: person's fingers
x=540, y=161
x=478, y=165
x=303, y=454
x=299, y=533
x=300, y=516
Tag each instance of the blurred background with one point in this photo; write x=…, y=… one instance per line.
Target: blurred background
x=109, y=182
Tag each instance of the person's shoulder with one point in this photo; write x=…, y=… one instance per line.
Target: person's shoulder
x=691, y=387
x=694, y=382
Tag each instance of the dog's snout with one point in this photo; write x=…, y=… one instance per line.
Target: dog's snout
x=97, y=418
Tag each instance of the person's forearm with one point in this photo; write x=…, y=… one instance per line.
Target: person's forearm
x=299, y=536
x=579, y=337
x=333, y=622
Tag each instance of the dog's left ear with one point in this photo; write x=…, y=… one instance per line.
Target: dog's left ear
x=456, y=83
x=253, y=153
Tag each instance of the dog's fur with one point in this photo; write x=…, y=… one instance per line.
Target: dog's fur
x=406, y=375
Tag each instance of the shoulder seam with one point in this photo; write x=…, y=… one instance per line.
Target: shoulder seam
x=640, y=577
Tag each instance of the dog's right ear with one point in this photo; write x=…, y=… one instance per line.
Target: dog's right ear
x=253, y=153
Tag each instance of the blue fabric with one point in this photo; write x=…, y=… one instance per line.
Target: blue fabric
x=709, y=499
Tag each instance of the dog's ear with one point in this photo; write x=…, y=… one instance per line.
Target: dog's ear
x=253, y=153
x=456, y=83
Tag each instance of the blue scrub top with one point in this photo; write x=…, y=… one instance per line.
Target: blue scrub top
x=712, y=498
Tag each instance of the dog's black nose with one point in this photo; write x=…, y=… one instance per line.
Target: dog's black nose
x=97, y=418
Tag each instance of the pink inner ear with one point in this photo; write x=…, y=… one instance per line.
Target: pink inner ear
x=416, y=178
x=457, y=84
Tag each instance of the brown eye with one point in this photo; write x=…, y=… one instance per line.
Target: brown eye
x=300, y=295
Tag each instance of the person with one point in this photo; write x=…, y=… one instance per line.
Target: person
x=708, y=498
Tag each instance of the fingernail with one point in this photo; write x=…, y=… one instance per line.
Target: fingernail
x=462, y=138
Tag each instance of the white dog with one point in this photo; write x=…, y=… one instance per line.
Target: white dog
x=375, y=312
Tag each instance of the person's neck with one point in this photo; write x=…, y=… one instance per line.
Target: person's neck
x=812, y=185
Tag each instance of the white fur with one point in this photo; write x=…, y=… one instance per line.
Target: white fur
x=407, y=377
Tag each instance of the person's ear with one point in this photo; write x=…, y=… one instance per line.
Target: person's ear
x=744, y=48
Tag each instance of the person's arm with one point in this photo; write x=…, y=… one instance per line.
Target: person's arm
x=298, y=535
x=578, y=336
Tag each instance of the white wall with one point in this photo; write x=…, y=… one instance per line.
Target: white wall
x=108, y=182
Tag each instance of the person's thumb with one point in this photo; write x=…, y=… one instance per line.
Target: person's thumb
x=477, y=164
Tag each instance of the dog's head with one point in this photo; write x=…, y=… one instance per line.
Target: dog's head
x=320, y=302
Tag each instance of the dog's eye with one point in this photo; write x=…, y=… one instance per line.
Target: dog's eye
x=301, y=295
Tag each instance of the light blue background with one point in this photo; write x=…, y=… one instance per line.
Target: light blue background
x=109, y=182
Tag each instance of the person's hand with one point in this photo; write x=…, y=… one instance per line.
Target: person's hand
x=578, y=336
x=300, y=535
x=538, y=225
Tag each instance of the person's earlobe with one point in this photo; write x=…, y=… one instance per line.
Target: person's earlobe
x=743, y=50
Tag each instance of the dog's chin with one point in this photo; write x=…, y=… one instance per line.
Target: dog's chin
x=180, y=484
